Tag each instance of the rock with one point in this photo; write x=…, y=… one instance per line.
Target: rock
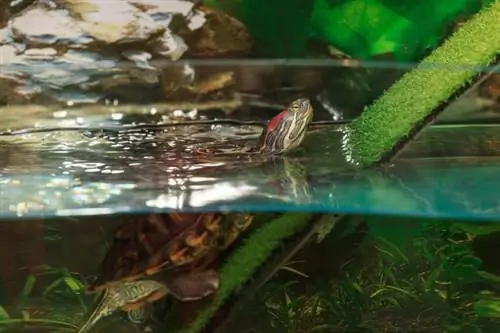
x=44, y=53
x=180, y=84
x=175, y=79
x=220, y=36
x=10, y=94
x=4, y=11
x=167, y=6
x=72, y=75
x=89, y=59
x=140, y=58
x=113, y=22
x=39, y=26
x=8, y=54
x=6, y=36
x=169, y=46
x=83, y=51
x=10, y=82
x=10, y=7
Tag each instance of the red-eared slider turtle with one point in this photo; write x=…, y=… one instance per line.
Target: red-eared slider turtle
x=286, y=131
x=179, y=246
x=163, y=243
x=283, y=133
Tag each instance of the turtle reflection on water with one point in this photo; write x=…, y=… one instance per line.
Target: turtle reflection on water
x=175, y=249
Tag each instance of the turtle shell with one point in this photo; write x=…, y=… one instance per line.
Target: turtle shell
x=156, y=242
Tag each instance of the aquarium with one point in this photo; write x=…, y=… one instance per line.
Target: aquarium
x=210, y=166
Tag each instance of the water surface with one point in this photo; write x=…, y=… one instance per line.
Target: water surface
x=89, y=172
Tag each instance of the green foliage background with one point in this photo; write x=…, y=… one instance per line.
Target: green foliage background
x=361, y=28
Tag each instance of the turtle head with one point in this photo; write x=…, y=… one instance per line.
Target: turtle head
x=302, y=107
x=286, y=130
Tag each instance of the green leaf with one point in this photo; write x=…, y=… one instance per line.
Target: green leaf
x=51, y=287
x=27, y=288
x=488, y=276
x=478, y=229
x=432, y=278
x=280, y=28
x=25, y=315
x=366, y=28
x=75, y=285
x=4, y=315
x=488, y=308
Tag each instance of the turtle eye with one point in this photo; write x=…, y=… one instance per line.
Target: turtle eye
x=295, y=107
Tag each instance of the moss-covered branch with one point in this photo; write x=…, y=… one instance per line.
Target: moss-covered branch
x=245, y=261
x=403, y=108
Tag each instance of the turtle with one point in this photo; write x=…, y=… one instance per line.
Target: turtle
x=181, y=245
x=287, y=130
x=166, y=243
x=283, y=133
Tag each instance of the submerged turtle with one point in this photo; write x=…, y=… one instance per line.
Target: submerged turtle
x=180, y=246
x=163, y=243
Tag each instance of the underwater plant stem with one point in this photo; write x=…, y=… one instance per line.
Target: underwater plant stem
x=245, y=261
x=270, y=269
x=385, y=126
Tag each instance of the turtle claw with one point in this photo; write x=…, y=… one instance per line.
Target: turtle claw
x=193, y=286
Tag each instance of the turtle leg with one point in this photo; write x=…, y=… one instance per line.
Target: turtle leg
x=140, y=315
x=159, y=294
x=203, y=264
x=194, y=285
x=239, y=223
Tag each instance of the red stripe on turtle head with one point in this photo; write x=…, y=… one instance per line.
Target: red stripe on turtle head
x=276, y=120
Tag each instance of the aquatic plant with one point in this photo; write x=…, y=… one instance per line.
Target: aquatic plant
x=408, y=275
x=246, y=260
x=422, y=281
x=406, y=105
x=348, y=25
x=55, y=308
x=351, y=26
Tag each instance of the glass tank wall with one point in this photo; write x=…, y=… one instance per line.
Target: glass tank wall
x=249, y=166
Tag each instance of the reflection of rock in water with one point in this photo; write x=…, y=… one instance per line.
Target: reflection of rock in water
x=87, y=50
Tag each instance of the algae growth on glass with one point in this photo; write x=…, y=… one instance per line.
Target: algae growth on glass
x=249, y=166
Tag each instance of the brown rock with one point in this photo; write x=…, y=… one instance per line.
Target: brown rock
x=14, y=91
x=4, y=7
x=221, y=36
x=10, y=8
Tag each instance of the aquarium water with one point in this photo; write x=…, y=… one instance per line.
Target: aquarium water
x=96, y=171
